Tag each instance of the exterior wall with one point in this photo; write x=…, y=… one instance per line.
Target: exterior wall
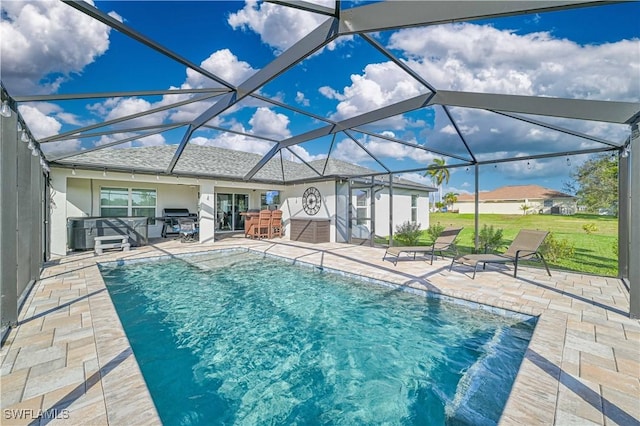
x=79, y=195
x=401, y=209
x=568, y=206
x=292, y=205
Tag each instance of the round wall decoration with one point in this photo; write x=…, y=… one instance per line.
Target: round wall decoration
x=311, y=201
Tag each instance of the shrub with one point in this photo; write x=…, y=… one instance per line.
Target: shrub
x=554, y=249
x=590, y=228
x=490, y=238
x=434, y=231
x=408, y=233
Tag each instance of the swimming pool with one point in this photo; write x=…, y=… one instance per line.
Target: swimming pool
x=235, y=338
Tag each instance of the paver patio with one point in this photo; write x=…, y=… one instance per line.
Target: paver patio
x=69, y=362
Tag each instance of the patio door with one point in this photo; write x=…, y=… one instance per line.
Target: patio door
x=240, y=205
x=228, y=209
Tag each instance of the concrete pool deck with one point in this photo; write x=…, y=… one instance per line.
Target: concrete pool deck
x=69, y=362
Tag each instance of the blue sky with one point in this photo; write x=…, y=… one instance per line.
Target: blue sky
x=588, y=53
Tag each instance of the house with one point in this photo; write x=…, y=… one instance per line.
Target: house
x=511, y=199
x=348, y=200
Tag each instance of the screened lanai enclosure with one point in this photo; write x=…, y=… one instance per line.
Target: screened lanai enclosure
x=282, y=95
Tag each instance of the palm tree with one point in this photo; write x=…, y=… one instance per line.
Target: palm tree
x=438, y=173
x=450, y=199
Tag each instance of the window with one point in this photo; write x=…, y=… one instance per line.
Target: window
x=270, y=200
x=143, y=202
x=114, y=202
x=119, y=202
x=548, y=203
x=361, y=207
x=414, y=208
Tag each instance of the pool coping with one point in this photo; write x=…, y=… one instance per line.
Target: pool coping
x=569, y=385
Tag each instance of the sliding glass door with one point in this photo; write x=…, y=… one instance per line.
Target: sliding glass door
x=228, y=209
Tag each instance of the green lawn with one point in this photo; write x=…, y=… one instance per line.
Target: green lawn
x=594, y=253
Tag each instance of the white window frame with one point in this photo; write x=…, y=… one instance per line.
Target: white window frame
x=364, y=207
x=414, y=208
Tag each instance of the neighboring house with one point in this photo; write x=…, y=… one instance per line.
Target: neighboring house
x=209, y=182
x=510, y=199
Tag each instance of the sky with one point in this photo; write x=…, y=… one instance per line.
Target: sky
x=587, y=53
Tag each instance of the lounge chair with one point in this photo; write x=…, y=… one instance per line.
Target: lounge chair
x=445, y=242
x=525, y=246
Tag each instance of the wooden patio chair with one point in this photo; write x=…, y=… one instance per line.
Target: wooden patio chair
x=275, y=226
x=261, y=229
x=445, y=242
x=525, y=246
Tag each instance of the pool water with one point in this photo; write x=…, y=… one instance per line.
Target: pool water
x=236, y=338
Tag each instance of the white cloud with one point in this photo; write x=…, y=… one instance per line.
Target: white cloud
x=380, y=84
x=330, y=93
x=114, y=108
x=302, y=153
x=534, y=169
x=42, y=125
x=39, y=124
x=35, y=35
x=348, y=150
x=223, y=64
x=300, y=98
x=269, y=124
x=478, y=58
x=264, y=122
x=278, y=26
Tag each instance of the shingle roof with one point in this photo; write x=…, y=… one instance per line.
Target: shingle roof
x=516, y=193
x=223, y=163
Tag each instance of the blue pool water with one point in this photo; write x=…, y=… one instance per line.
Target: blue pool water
x=235, y=338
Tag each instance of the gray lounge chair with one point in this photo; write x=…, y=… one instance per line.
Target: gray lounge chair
x=445, y=242
x=525, y=246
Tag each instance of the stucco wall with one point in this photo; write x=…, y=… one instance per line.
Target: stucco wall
x=401, y=209
x=292, y=205
x=79, y=195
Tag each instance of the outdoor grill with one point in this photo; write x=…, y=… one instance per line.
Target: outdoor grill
x=171, y=217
